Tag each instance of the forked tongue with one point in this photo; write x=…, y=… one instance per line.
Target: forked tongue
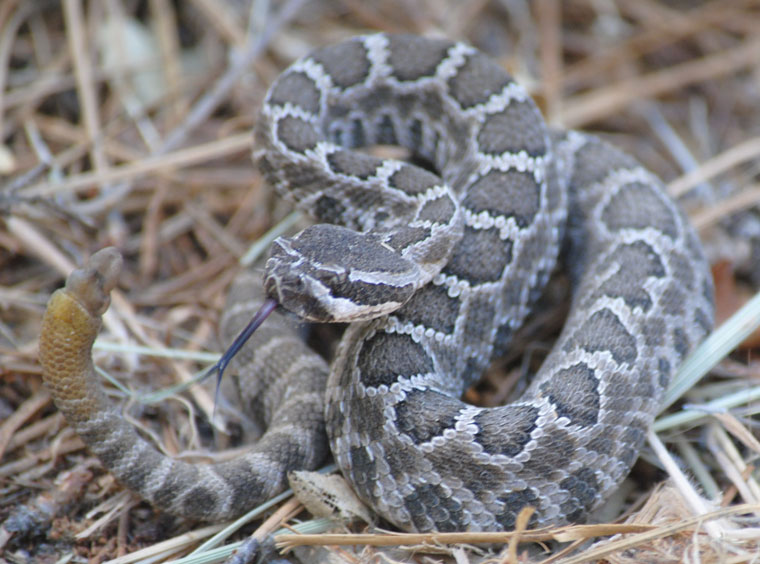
x=258, y=318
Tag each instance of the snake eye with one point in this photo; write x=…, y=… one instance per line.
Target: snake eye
x=334, y=279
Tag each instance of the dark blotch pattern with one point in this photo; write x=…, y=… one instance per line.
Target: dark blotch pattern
x=288, y=452
x=306, y=174
x=413, y=180
x=371, y=104
x=438, y=210
x=484, y=479
x=636, y=206
x=426, y=414
x=681, y=342
x=583, y=488
x=575, y=394
x=663, y=372
x=479, y=321
x=628, y=457
x=480, y=256
x=400, y=458
x=408, y=237
x=371, y=425
x=329, y=209
x=360, y=198
x=550, y=456
x=346, y=63
x=637, y=262
x=363, y=471
x=703, y=320
x=654, y=331
x=353, y=164
x=413, y=57
x=532, y=245
x=601, y=444
x=513, y=502
x=430, y=502
x=298, y=89
x=633, y=435
x=113, y=451
x=674, y=301
x=431, y=307
x=682, y=269
x=587, y=171
x=174, y=485
x=241, y=479
x=478, y=79
x=199, y=499
x=510, y=194
x=386, y=356
x=603, y=331
x=297, y=134
x=517, y=128
x=505, y=430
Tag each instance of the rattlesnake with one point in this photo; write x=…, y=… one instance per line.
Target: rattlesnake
x=436, y=272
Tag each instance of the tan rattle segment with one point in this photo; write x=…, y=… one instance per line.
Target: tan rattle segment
x=69, y=328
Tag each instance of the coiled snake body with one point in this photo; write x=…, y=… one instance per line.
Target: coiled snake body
x=436, y=272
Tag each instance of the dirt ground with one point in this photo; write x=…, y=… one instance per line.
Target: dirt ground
x=128, y=123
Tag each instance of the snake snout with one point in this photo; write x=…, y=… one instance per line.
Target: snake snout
x=302, y=295
x=291, y=282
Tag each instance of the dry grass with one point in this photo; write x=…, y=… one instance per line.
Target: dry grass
x=128, y=123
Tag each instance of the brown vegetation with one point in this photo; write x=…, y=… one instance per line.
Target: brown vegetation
x=128, y=123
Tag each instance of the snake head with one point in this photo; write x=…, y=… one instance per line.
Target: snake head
x=329, y=273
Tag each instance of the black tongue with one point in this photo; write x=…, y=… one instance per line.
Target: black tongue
x=258, y=318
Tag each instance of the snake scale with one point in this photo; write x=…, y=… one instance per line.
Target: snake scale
x=436, y=270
